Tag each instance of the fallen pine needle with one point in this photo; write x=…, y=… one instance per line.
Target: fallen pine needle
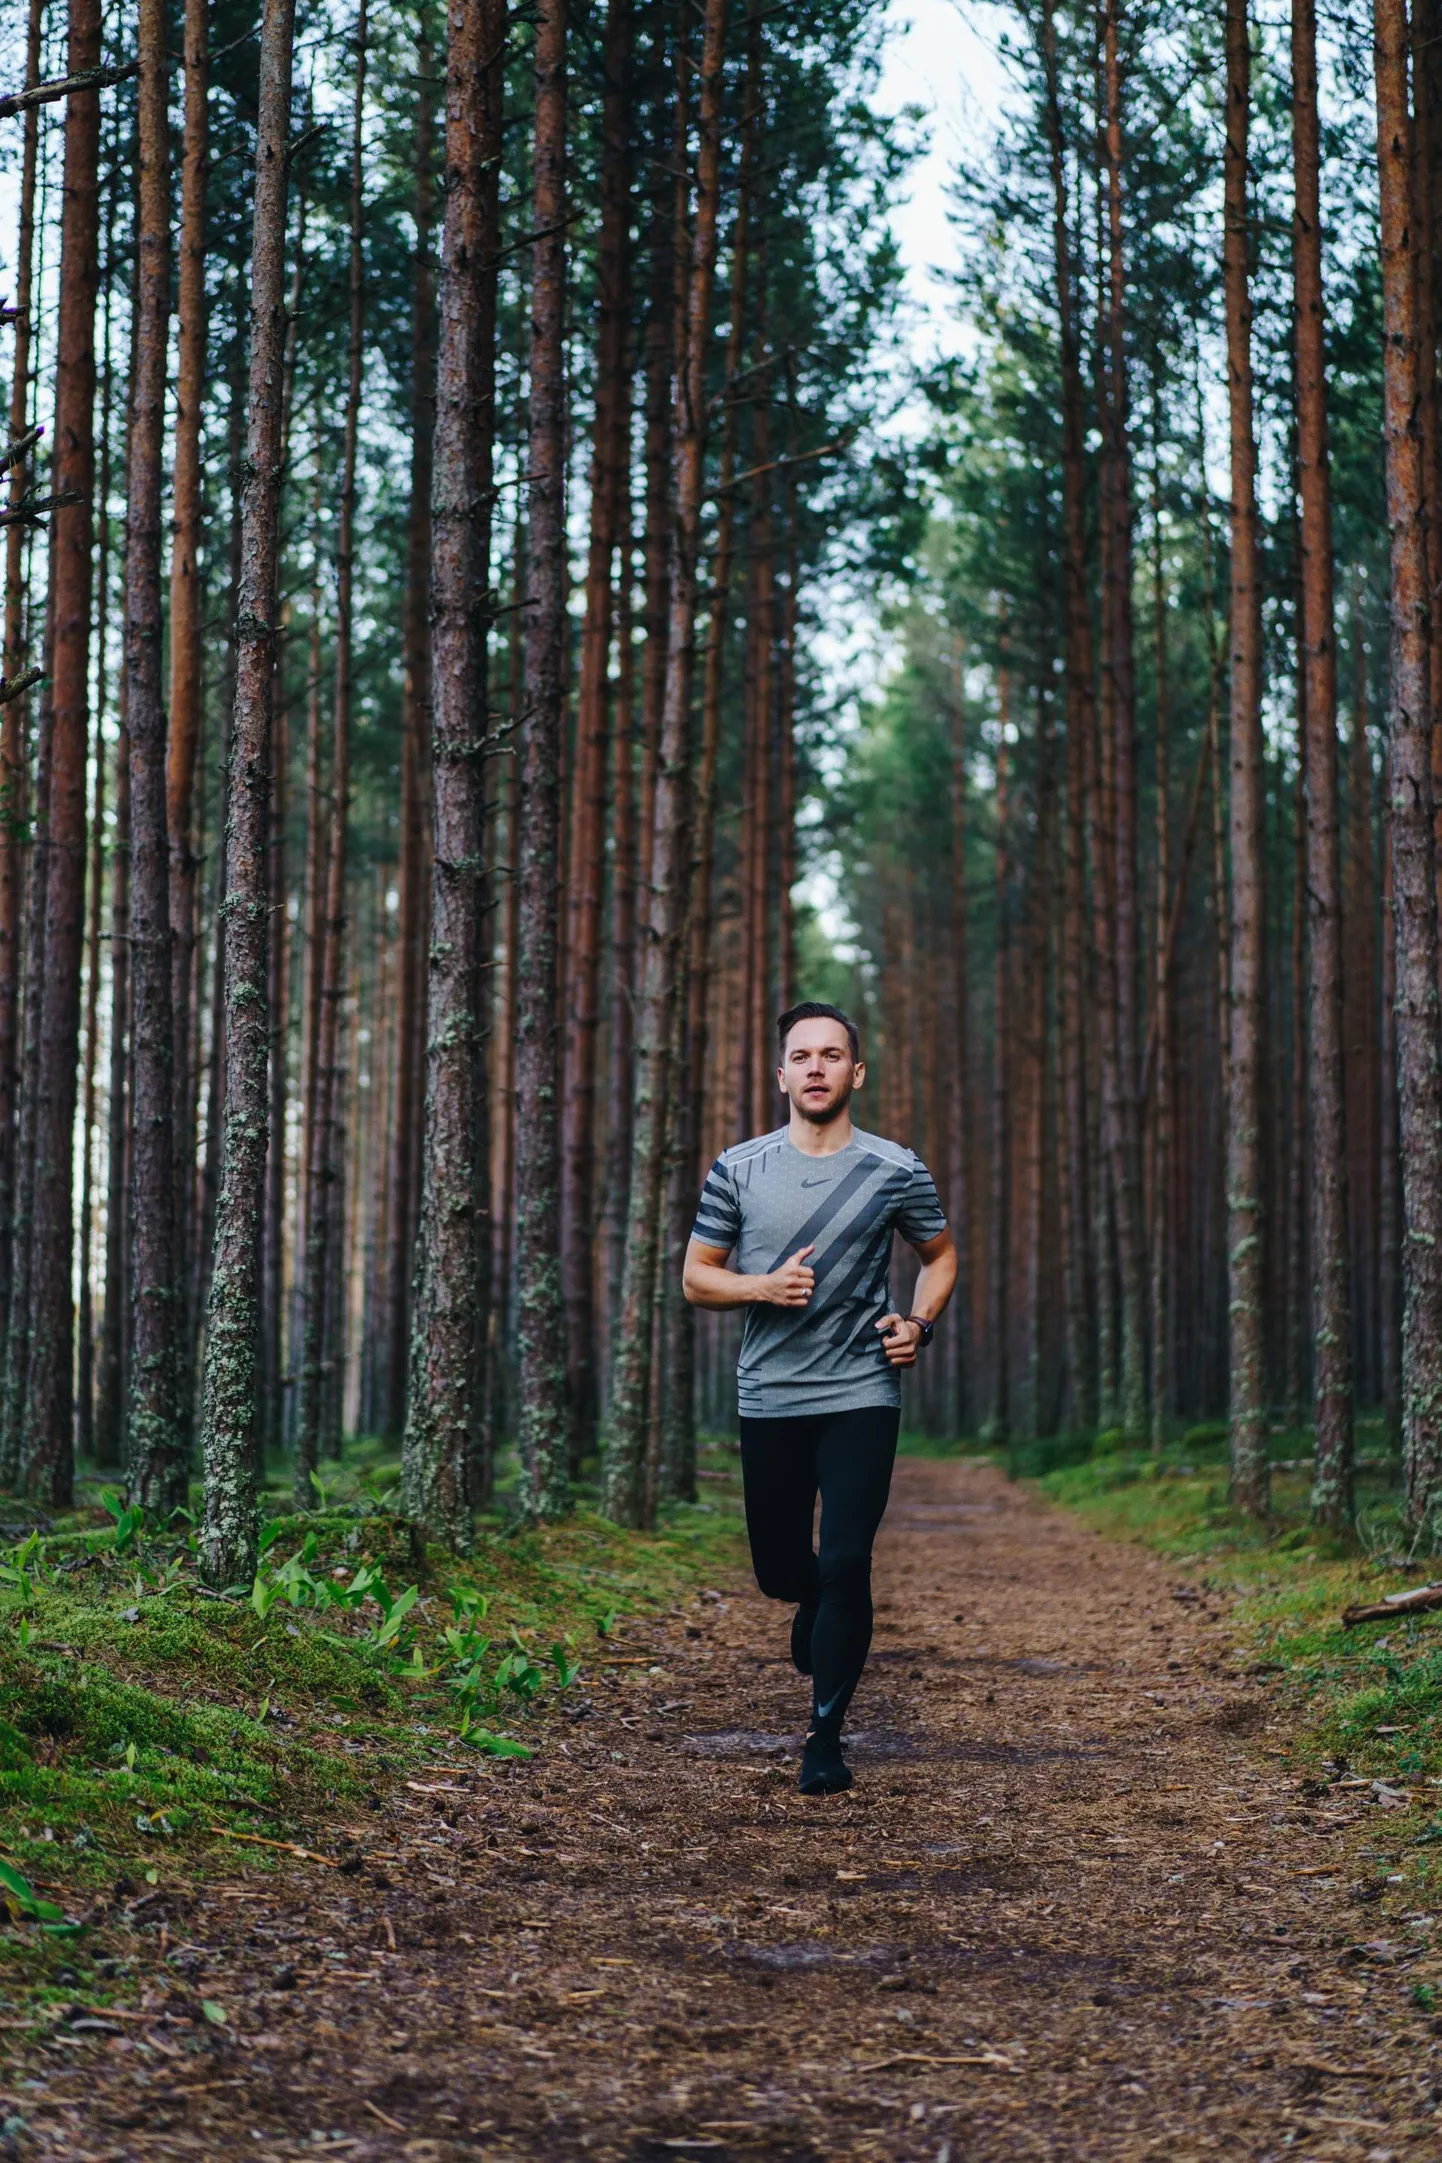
x=286, y=1847
x=921, y=2057
x=394, y=2123
x=1335, y=2072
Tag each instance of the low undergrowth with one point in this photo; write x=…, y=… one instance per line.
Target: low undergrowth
x=148, y=1729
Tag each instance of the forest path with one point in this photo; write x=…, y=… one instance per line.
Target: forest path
x=1071, y=1909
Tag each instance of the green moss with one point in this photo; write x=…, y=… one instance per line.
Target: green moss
x=142, y=1721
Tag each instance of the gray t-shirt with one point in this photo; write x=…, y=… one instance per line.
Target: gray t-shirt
x=762, y=1200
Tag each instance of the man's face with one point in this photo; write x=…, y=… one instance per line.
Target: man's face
x=817, y=1071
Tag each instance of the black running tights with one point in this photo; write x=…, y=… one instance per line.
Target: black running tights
x=846, y=1457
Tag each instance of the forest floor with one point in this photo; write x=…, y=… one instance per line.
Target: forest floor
x=1084, y=1901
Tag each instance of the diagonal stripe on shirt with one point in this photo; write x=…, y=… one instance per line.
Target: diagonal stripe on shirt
x=820, y=1217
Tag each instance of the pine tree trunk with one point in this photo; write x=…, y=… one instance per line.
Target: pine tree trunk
x=1389, y=1204
x=446, y=1404
x=684, y=1175
x=1409, y=734
x=1291, y=1154
x=159, y=1471
x=1360, y=995
x=999, y=1316
x=624, y=1442
x=187, y=655
x=15, y=714
x=95, y=891
x=660, y=361
x=963, y=1383
x=1163, y=1134
x=1245, y=1229
x=1080, y=728
x=234, y=1321
x=623, y=938
x=415, y=766
x=1332, y=1498
x=540, y=1309
x=48, y=1441
x=610, y=453
x=327, y=1142
x=1119, y=693
x=111, y=1373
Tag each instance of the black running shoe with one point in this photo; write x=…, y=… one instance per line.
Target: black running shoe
x=801, y=1628
x=824, y=1771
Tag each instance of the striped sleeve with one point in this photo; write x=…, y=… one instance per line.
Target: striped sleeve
x=718, y=1218
x=921, y=1215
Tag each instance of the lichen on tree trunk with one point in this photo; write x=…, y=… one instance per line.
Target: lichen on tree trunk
x=234, y=1315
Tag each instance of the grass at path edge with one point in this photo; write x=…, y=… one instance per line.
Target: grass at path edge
x=144, y=1726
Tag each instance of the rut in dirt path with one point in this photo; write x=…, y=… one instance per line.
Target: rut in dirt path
x=1073, y=1908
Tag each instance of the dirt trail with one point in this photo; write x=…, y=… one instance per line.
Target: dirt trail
x=1073, y=1908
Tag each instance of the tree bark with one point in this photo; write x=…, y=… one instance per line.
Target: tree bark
x=1389, y=1200
x=1409, y=744
x=1360, y=1016
x=15, y=714
x=324, y=1168
x=234, y=1320
x=999, y=1317
x=963, y=1385
x=111, y=1373
x=540, y=1308
x=187, y=649
x=624, y=1442
x=1079, y=667
x=446, y=1405
x=48, y=1440
x=415, y=768
x=610, y=452
x=95, y=890
x=1332, y=1491
x=1245, y=1274
x=1119, y=721
x=158, y=1466
x=1164, y=1129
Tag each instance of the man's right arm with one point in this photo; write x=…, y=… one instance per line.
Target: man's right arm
x=707, y=1282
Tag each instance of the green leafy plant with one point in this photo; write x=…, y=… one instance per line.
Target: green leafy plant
x=129, y=1521
x=491, y=1744
x=23, y=1904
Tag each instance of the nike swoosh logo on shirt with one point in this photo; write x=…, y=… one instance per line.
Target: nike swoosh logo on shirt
x=815, y=1182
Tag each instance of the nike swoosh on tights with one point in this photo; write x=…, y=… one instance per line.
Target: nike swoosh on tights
x=823, y=1710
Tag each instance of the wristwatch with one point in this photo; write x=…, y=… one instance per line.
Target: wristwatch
x=928, y=1329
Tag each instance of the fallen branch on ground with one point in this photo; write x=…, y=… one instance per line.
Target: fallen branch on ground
x=922, y=2057
x=1396, y=1603
x=286, y=1847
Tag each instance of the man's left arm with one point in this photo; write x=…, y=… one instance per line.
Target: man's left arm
x=901, y=1334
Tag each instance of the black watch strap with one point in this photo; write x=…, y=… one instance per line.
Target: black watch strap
x=928, y=1329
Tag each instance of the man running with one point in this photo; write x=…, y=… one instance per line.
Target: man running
x=808, y=1213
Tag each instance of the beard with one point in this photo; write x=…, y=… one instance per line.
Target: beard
x=821, y=1115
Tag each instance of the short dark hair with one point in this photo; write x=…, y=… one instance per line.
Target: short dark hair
x=817, y=1010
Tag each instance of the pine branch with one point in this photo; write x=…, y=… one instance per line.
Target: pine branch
x=16, y=451
x=31, y=511
x=21, y=685
x=65, y=86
